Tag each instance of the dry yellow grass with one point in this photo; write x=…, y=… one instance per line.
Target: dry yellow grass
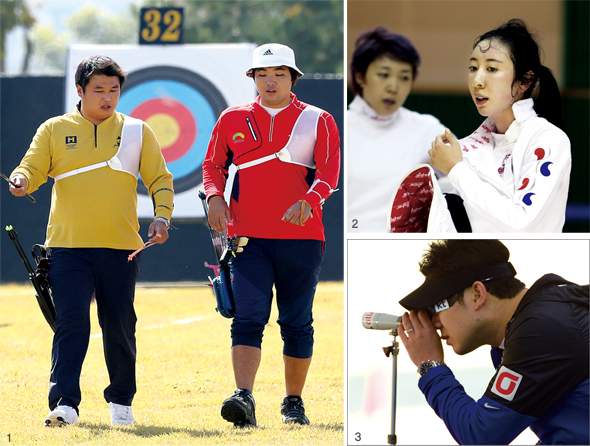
x=183, y=374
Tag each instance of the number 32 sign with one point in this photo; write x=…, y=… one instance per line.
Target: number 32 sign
x=160, y=26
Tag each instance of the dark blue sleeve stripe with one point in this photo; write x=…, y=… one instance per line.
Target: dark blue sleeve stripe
x=468, y=421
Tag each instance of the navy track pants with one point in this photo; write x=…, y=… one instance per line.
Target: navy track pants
x=74, y=274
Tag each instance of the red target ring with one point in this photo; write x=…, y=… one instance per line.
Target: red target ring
x=181, y=106
x=168, y=113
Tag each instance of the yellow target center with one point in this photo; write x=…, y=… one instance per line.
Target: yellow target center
x=165, y=127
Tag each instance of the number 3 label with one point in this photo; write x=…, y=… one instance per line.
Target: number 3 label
x=161, y=25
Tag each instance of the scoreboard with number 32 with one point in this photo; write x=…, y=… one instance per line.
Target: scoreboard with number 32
x=160, y=26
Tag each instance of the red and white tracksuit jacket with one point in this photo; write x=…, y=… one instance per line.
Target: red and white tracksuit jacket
x=262, y=193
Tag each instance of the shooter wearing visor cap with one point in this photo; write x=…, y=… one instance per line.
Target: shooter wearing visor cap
x=539, y=338
x=440, y=293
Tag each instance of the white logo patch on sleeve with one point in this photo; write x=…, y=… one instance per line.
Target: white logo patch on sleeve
x=506, y=383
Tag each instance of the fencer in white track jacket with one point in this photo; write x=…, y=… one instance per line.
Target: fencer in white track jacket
x=516, y=182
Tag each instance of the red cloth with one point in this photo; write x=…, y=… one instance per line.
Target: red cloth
x=411, y=206
x=262, y=194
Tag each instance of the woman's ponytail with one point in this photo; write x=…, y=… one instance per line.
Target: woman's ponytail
x=548, y=104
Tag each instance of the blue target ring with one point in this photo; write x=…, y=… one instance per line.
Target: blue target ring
x=191, y=92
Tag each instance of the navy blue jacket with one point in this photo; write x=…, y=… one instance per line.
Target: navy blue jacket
x=541, y=378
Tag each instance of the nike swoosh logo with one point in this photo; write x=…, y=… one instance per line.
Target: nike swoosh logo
x=489, y=406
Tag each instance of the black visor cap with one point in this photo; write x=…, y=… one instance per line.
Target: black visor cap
x=433, y=290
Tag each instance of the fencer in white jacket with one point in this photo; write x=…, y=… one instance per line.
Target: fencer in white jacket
x=383, y=139
x=513, y=172
x=518, y=181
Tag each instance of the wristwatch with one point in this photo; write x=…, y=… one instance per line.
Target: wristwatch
x=427, y=365
x=163, y=220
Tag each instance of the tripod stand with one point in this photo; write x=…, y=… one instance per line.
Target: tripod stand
x=393, y=350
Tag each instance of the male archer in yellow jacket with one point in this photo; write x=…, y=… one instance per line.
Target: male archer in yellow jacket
x=93, y=229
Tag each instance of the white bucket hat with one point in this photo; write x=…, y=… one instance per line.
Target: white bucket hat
x=273, y=55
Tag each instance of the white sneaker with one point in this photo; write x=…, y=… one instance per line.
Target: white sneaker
x=121, y=414
x=61, y=416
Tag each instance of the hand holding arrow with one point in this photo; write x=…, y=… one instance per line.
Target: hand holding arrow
x=14, y=185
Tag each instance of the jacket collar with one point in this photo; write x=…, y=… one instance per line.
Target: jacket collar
x=523, y=110
x=78, y=112
x=362, y=107
x=294, y=100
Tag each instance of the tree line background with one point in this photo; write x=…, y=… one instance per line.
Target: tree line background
x=314, y=29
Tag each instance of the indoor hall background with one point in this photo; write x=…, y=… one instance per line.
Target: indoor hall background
x=443, y=33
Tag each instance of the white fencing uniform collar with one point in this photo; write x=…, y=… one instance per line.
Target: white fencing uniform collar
x=523, y=110
x=363, y=108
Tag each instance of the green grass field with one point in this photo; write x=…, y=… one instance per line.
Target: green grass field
x=184, y=373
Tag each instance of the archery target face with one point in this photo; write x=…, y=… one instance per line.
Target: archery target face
x=182, y=108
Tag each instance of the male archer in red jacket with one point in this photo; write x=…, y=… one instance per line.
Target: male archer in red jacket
x=288, y=158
